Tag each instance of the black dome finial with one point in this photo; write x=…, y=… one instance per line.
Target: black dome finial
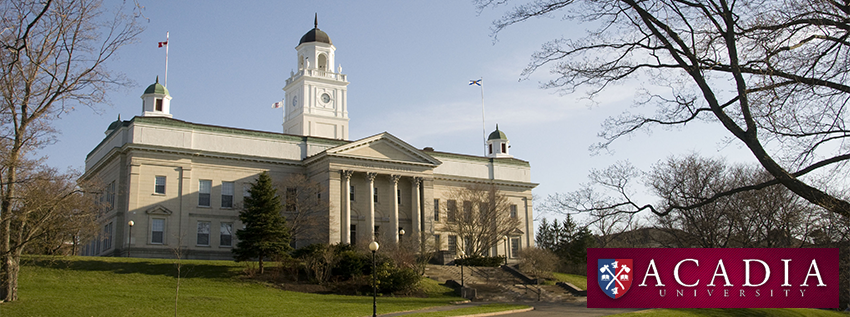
x=316, y=21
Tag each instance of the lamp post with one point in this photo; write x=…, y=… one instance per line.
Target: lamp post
x=130, y=236
x=400, y=235
x=506, y=250
x=374, y=247
x=462, y=255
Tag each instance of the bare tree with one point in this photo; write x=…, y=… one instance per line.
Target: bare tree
x=480, y=216
x=53, y=58
x=71, y=216
x=768, y=217
x=769, y=72
x=303, y=206
x=602, y=198
x=45, y=202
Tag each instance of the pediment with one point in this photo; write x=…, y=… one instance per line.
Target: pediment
x=383, y=147
x=516, y=232
x=158, y=210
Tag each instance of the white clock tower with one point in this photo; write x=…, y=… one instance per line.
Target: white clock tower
x=316, y=96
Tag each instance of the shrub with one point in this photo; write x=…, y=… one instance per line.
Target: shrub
x=491, y=261
x=538, y=262
x=351, y=264
x=392, y=278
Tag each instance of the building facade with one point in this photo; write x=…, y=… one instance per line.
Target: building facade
x=181, y=183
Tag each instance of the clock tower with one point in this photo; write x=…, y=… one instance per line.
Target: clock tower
x=316, y=95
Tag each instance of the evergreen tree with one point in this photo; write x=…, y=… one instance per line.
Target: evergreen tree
x=265, y=233
x=566, y=239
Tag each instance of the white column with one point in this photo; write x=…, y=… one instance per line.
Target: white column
x=415, y=212
x=346, y=207
x=371, y=221
x=394, y=216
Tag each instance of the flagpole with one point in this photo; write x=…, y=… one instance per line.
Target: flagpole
x=166, y=59
x=483, y=125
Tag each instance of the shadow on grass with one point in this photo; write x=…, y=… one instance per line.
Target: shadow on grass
x=190, y=269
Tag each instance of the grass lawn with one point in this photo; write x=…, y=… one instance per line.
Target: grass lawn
x=89, y=286
x=577, y=280
x=735, y=312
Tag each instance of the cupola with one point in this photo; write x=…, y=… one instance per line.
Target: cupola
x=156, y=102
x=114, y=125
x=498, y=144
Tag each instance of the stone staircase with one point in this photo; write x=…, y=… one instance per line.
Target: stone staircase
x=496, y=285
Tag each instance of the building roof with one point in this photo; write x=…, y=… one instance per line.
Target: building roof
x=315, y=35
x=157, y=88
x=497, y=135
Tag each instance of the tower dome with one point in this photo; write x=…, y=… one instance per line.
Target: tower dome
x=497, y=135
x=315, y=35
x=157, y=88
x=498, y=144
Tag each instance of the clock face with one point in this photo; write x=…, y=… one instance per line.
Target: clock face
x=326, y=98
x=295, y=101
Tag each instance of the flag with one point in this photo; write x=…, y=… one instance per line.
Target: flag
x=161, y=44
x=475, y=82
x=278, y=104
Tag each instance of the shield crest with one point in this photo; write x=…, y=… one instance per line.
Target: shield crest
x=615, y=276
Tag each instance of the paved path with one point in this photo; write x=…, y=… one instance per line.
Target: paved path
x=578, y=309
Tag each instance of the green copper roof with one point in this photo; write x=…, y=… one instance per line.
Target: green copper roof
x=115, y=124
x=497, y=135
x=156, y=88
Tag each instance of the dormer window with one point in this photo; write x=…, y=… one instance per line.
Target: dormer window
x=158, y=106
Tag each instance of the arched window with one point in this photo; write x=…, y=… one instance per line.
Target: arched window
x=323, y=62
x=300, y=61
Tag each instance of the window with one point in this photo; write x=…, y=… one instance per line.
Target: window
x=157, y=229
x=437, y=242
x=351, y=193
x=504, y=148
x=158, y=104
x=436, y=210
x=513, y=211
x=514, y=247
x=353, y=237
x=452, y=244
x=226, y=194
x=203, y=233
x=159, y=187
x=110, y=196
x=490, y=148
x=398, y=194
x=451, y=210
x=107, y=237
x=226, y=236
x=291, y=199
x=375, y=194
x=467, y=210
x=377, y=232
x=204, y=188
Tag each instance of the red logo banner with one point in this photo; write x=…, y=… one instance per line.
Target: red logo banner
x=714, y=278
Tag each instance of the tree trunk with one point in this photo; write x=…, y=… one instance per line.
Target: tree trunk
x=9, y=284
x=261, y=263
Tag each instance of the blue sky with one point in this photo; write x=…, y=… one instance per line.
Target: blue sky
x=408, y=63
